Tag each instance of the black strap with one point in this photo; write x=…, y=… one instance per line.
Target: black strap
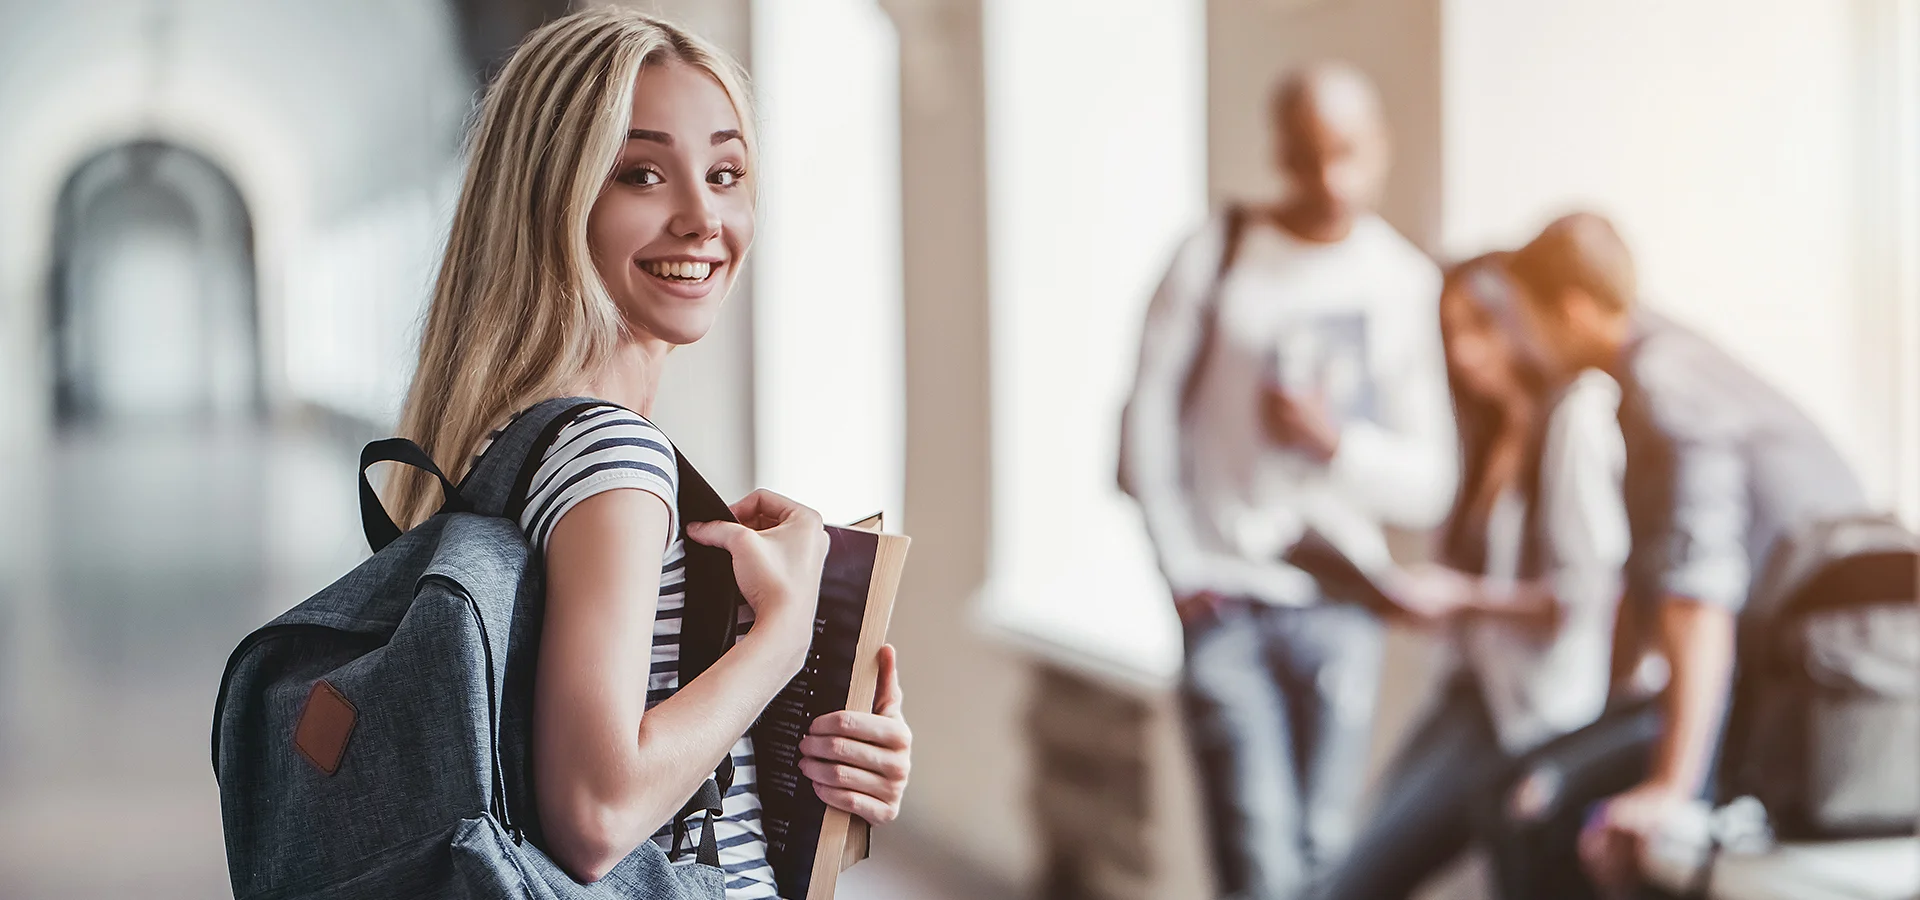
x=708, y=800
x=1236, y=226
x=374, y=520
x=707, y=627
x=523, y=481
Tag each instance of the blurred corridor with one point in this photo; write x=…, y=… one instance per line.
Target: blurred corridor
x=157, y=549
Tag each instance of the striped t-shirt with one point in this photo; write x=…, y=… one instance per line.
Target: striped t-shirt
x=608, y=448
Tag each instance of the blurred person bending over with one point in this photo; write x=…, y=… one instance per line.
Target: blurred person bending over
x=1719, y=466
x=1527, y=584
x=1290, y=380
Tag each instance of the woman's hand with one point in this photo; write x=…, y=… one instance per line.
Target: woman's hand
x=859, y=761
x=1432, y=591
x=778, y=548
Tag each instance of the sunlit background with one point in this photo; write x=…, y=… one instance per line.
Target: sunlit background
x=219, y=220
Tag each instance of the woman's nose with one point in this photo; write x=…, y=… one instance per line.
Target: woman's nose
x=696, y=217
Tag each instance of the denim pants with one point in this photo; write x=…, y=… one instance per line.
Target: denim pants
x=1537, y=854
x=1453, y=785
x=1279, y=704
x=1442, y=792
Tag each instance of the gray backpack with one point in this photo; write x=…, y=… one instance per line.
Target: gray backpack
x=1824, y=728
x=374, y=740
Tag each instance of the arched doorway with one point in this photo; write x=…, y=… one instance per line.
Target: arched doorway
x=153, y=294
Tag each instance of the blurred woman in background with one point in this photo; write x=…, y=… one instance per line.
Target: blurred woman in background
x=1528, y=582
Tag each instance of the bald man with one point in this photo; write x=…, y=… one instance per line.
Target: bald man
x=1290, y=387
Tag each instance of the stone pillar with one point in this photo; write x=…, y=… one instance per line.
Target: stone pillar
x=963, y=693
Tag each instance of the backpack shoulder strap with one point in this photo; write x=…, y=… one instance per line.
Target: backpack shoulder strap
x=498, y=483
x=1234, y=230
x=707, y=627
x=1237, y=216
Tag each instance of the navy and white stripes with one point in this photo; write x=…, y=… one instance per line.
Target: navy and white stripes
x=610, y=448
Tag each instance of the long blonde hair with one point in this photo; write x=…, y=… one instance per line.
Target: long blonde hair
x=519, y=313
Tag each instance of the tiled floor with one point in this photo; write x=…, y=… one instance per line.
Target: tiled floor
x=131, y=563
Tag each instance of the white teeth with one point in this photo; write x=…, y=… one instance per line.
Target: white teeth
x=680, y=269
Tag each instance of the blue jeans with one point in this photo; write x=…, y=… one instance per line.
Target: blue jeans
x=1442, y=792
x=1450, y=787
x=1279, y=704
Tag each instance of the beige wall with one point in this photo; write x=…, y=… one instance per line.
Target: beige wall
x=1728, y=140
x=966, y=697
x=1397, y=42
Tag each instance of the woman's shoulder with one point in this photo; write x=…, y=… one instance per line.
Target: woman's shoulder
x=599, y=449
x=610, y=419
x=1584, y=425
x=611, y=438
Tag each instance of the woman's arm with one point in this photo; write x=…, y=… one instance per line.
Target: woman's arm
x=1435, y=591
x=1583, y=513
x=608, y=771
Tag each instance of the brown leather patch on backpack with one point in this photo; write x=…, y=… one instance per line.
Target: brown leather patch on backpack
x=325, y=724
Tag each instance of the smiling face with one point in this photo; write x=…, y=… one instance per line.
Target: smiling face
x=670, y=229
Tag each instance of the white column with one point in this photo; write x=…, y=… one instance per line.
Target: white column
x=1096, y=130
x=828, y=373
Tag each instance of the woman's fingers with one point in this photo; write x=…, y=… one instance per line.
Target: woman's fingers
x=725, y=535
x=865, y=806
x=886, y=762
x=765, y=509
x=888, y=698
x=886, y=732
x=851, y=778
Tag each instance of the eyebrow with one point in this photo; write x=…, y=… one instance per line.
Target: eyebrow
x=661, y=137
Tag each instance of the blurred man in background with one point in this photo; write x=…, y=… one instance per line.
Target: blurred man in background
x=1290, y=383
x=1720, y=465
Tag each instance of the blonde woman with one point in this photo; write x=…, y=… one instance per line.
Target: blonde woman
x=607, y=209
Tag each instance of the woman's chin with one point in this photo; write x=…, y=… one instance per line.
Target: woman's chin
x=685, y=327
x=675, y=320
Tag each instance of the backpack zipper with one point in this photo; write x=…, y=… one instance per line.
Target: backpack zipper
x=272, y=632
x=259, y=636
x=499, y=791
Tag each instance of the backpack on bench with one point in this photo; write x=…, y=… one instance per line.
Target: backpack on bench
x=1824, y=727
x=374, y=741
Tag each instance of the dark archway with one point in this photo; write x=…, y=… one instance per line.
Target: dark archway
x=153, y=300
